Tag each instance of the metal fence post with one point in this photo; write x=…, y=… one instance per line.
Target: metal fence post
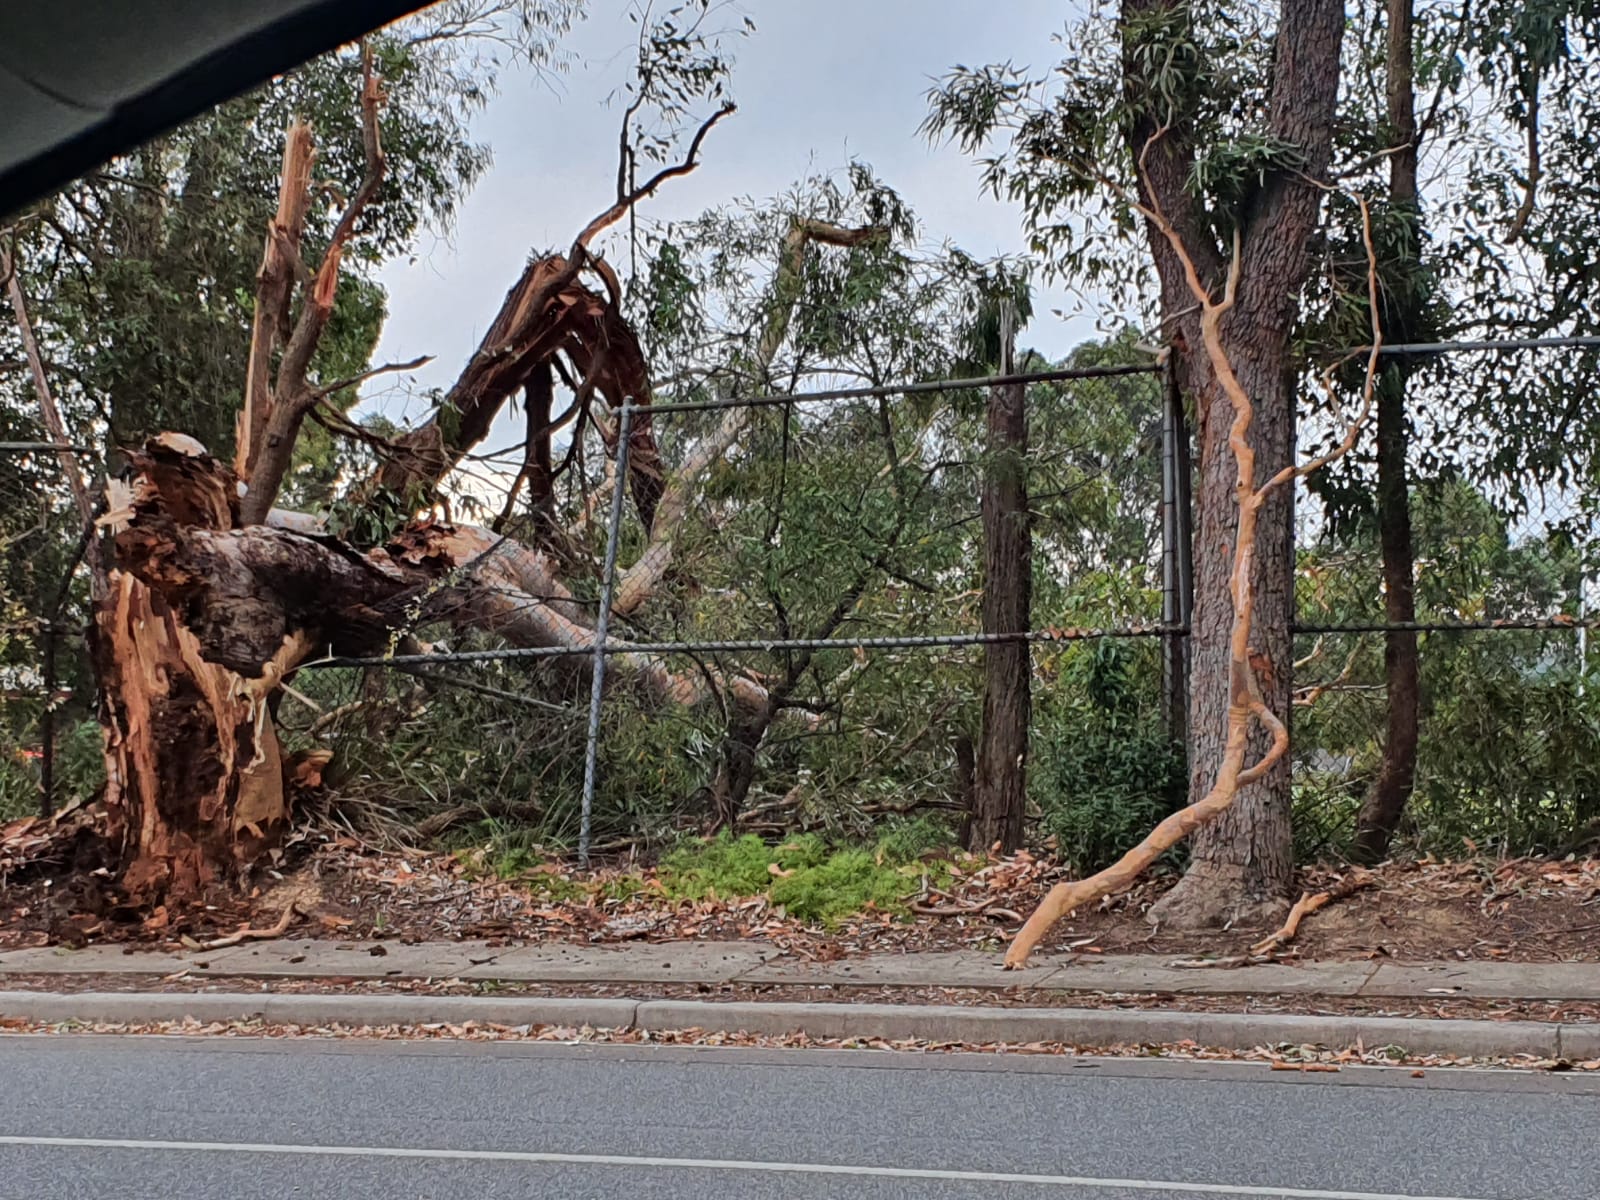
x=601, y=624
x=47, y=726
x=1177, y=572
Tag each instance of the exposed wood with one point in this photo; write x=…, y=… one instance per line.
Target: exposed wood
x=275, y=431
x=244, y=590
x=275, y=279
x=548, y=310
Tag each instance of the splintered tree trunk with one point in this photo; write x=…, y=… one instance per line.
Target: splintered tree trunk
x=194, y=776
x=1000, y=794
x=195, y=781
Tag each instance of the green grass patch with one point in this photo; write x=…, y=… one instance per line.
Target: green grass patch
x=812, y=881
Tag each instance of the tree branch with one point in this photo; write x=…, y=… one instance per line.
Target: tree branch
x=1519, y=223
x=275, y=280
x=53, y=423
x=292, y=397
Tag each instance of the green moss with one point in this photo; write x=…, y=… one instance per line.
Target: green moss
x=726, y=866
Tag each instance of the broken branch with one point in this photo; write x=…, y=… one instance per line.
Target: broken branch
x=292, y=397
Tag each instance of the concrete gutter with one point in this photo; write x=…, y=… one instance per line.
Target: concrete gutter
x=937, y=1023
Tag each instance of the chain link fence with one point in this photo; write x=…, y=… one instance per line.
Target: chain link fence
x=832, y=561
x=43, y=670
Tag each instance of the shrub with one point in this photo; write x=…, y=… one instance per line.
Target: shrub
x=1104, y=770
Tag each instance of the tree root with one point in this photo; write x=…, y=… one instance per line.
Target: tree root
x=1266, y=950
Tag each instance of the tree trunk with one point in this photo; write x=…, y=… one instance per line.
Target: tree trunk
x=1241, y=864
x=195, y=781
x=1384, y=805
x=1000, y=795
x=737, y=770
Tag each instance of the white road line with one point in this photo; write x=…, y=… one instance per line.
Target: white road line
x=719, y=1164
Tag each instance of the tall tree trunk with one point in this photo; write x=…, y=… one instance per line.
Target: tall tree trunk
x=1386, y=802
x=1000, y=794
x=1241, y=864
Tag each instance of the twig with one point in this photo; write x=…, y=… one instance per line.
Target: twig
x=1308, y=904
x=626, y=201
x=421, y=360
x=950, y=910
x=249, y=935
x=1311, y=695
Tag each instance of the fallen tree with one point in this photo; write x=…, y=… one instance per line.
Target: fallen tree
x=215, y=596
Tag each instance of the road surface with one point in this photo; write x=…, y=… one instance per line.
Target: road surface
x=181, y=1119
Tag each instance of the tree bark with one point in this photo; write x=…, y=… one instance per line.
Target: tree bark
x=1000, y=793
x=1241, y=863
x=206, y=618
x=1241, y=866
x=1385, y=804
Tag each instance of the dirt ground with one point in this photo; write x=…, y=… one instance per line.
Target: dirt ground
x=1522, y=910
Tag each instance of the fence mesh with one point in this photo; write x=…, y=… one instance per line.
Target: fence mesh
x=832, y=559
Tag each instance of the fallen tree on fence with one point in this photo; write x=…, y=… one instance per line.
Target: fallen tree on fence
x=215, y=596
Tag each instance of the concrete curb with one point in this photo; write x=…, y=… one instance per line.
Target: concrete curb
x=938, y=1023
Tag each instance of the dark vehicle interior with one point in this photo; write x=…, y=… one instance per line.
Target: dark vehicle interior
x=84, y=80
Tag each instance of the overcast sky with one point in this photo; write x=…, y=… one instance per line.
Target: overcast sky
x=819, y=83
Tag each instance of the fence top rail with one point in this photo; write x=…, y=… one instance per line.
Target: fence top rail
x=754, y=645
x=897, y=389
x=1403, y=349
x=933, y=641
x=924, y=387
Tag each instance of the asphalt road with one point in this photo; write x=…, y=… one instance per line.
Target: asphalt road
x=180, y=1119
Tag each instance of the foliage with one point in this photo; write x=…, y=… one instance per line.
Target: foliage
x=1508, y=728
x=810, y=880
x=1104, y=768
